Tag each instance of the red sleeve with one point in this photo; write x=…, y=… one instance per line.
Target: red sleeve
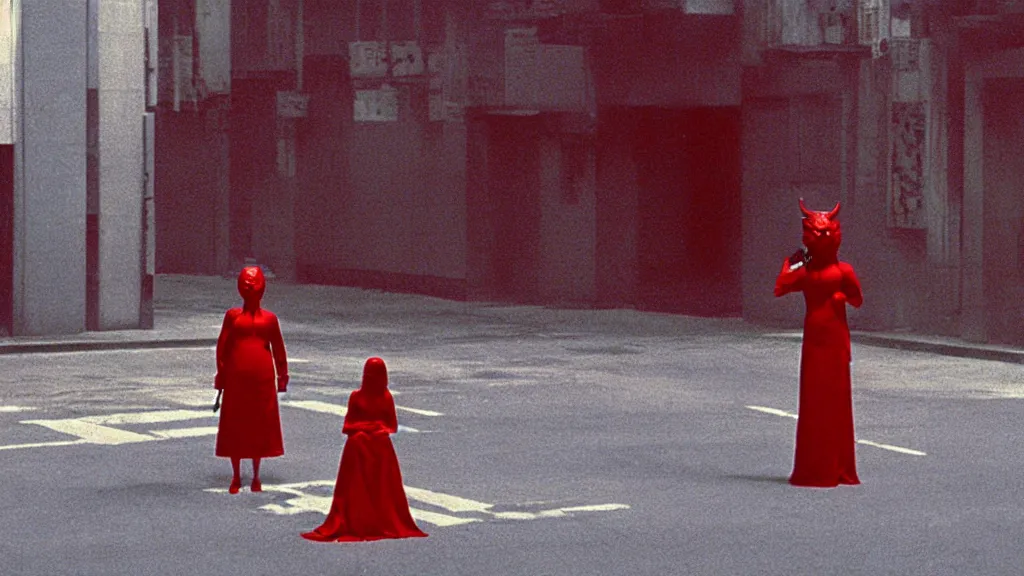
x=789, y=280
x=222, y=345
x=351, y=414
x=277, y=348
x=392, y=418
x=851, y=285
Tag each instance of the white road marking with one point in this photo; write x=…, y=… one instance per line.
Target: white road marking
x=900, y=449
x=308, y=376
x=446, y=501
x=98, y=429
x=43, y=444
x=595, y=508
x=893, y=448
x=774, y=411
x=185, y=432
x=172, y=380
x=148, y=417
x=133, y=351
x=298, y=361
x=419, y=411
x=515, y=515
x=559, y=512
x=317, y=406
x=92, y=433
x=17, y=408
x=437, y=519
x=328, y=408
x=302, y=502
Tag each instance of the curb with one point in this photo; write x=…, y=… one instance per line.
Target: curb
x=92, y=346
x=941, y=348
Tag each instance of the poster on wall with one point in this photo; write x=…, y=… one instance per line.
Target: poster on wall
x=406, y=59
x=907, y=168
x=376, y=105
x=367, y=59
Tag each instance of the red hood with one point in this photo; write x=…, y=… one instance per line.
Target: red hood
x=251, y=285
x=375, y=376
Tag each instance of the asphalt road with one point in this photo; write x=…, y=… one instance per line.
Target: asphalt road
x=536, y=443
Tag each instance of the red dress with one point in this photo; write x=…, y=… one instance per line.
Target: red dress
x=369, y=498
x=249, y=349
x=825, y=444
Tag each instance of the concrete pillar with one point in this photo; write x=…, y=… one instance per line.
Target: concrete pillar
x=50, y=166
x=121, y=85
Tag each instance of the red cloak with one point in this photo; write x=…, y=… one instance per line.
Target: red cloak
x=250, y=353
x=825, y=445
x=369, y=498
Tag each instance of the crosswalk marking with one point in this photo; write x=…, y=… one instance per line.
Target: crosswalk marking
x=42, y=444
x=16, y=408
x=447, y=501
x=92, y=433
x=893, y=448
x=334, y=409
x=419, y=411
x=185, y=432
x=104, y=429
x=774, y=411
x=153, y=417
x=317, y=406
x=890, y=447
x=300, y=501
x=435, y=518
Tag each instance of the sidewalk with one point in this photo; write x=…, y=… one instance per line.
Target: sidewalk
x=188, y=311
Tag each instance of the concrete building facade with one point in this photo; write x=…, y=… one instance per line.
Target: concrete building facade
x=603, y=153
x=73, y=255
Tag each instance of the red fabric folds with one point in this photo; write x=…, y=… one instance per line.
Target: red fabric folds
x=825, y=444
x=252, y=366
x=369, y=498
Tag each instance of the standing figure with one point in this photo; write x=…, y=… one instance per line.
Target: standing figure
x=825, y=454
x=250, y=352
x=369, y=498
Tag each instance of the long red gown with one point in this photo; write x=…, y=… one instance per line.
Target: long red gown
x=825, y=444
x=369, y=498
x=250, y=353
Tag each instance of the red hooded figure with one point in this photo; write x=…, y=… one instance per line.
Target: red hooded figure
x=369, y=498
x=250, y=353
x=825, y=454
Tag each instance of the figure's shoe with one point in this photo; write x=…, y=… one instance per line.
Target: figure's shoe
x=236, y=485
x=257, y=486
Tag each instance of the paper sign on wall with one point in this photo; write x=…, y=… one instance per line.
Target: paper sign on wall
x=367, y=59
x=376, y=105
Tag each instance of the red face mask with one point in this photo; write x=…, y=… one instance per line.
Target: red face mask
x=822, y=234
x=251, y=285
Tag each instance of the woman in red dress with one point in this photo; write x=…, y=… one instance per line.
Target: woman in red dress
x=369, y=498
x=250, y=353
x=825, y=454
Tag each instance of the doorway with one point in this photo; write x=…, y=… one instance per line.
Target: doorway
x=1003, y=219
x=689, y=236
x=514, y=214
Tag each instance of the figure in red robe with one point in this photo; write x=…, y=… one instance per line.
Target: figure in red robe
x=250, y=356
x=369, y=498
x=825, y=454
